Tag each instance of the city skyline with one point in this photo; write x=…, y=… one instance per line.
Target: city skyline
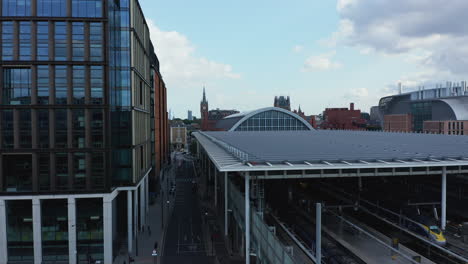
x=369, y=45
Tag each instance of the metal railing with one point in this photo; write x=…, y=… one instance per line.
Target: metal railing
x=241, y=155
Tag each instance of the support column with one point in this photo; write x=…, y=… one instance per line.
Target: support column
x=72, y=231
x=3, y=233
x=142, y=203
x=247, y=218
x=135, y=214
x=215, y=187
x=107, y=222
x=318, y=233
x=37, y=238
x=130, y=221
x=443, y=203
x=225, y=204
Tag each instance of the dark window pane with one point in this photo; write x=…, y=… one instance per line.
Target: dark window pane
x=7, y=128
x=43, y=128
x=54, y=230
x=19, y=231
x=97, y=129
x=95, y=39
x=78, y=128
x=97, y=170
x=16, y=86
x=78, y=84
x=97, y=83
x=25, y=128
x=44, y=172
x=79, y=164
x=17, y=173
x=86, y=8
x=54, y=8
x=60, y=128
x=61, y=169
x=89, y=229
x=16, y=8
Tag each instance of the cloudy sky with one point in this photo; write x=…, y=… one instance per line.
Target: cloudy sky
x=321, y=53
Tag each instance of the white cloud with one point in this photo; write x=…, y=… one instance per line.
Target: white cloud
x=185, y=72
x=322, y=62
x=298, y=48
x=407, y=27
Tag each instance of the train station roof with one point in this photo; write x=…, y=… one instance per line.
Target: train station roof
x=331, y=150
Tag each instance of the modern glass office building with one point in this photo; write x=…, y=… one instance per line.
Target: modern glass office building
x=76, y=115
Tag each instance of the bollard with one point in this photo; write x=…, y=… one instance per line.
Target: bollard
x=395, y=246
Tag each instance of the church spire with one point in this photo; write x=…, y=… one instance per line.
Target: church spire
x=204, y=96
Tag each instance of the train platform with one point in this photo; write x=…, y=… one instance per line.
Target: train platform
x=367, y=244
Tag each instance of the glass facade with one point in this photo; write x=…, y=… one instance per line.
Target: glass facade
x=16, y=86
x=421, y=111
x=24, y=128
x=86, y=8
x=272, y=121
x=51, y=8
x=61, y=170
x=60, y=41
x=24, y=40
x=6, y=117
x=61, y=136
x=95, y=41
x=97, y=84
x=43, y=84
x=42, y=41
x=43, y=128
x=17, y=172
x=78, y=138
x=61, y=85
x=19, y=231
x=89, y=229
x=78, y=84
x=54, y=220
x=78, y=41
x=16, y=7
x=7, y=40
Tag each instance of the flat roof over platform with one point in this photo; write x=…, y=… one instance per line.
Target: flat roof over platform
x=331, y=149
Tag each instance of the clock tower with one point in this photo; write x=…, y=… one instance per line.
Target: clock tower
x=204, y=110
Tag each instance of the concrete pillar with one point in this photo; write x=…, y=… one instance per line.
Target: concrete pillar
x=444, y=198
x=3, y=233
x=135, y=213
x=107, y=222
x=247, y=218
x=72, y=231
x=130, y=221
x=215, y=187
x=225, y=204
x=142, y=203
x=37, y=238
x=318, y=233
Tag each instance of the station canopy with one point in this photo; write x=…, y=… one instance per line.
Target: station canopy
x=330, y=149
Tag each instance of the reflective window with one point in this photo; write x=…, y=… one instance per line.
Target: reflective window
x=60, y=84
x=42, y=84
x=61, y=170
x=78, y=41
x=44, y=172
x=7, y=40
x=78, y=84
x=95, y=38
x=97, y=129
x=54, y=230
x=78, y=120
x=97, y=84
x=60, y=128
x=89, y=229
x=24, y=128
x=43, y=128
x=97, y=170
x=25, y=40
x=272, y=121
x=16, y=86
x=79, y=169
x=54, y=8
x=16, y=7
x=17, y=172
x=60, y=41
x=86, y=8
x=42, y=41
x=19, y=231
x=7, y=128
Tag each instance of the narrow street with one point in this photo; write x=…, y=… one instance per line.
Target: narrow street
x=184, y=240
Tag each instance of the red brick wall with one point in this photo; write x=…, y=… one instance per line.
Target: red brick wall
x=398, y=123
x=343, y=118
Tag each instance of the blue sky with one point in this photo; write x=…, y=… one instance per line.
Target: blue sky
x=321, y=53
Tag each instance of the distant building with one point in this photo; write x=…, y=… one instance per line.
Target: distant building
x=343, y=118
x=398, y=123
x=447, y=127
x=189, y=115
x=211, y=117
x=440, y=103
x=282, y=102
x=178, y=137
x=375, y=118
x=310, y=119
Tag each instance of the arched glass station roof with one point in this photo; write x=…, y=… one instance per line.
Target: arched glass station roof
x=265, y=119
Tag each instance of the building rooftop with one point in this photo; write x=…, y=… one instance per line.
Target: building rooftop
x=330, y=149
